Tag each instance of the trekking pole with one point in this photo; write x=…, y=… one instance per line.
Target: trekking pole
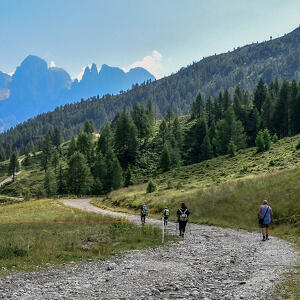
x=163, y=231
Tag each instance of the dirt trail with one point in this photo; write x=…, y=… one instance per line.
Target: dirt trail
x=211, y=263
x=10, y=178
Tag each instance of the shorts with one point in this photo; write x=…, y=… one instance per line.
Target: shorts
x=265, y=225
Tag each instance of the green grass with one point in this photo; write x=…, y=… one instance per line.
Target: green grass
x=30, y=238
x=227, y=192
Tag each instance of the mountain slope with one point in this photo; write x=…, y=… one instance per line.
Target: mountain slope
x=34, y=88
x=277, y=58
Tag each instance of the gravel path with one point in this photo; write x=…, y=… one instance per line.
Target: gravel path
x=211, y=263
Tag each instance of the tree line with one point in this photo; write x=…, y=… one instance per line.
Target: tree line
x=133, y=142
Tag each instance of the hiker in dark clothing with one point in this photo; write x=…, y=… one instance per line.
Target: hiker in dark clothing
x=182, y=215
x=144, y=212
x=264, y=216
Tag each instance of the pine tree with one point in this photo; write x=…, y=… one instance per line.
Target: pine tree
x=231, y=148
x=61, y=181
x=163, y=132
x=2, y=153
x=89, y=127
x=165, y=161
x=126, y=142
x=169, y=116
x=117, y=175
x=209, y=111
x=56, y=138
x=295, y=108
x=105, y=142
x=267, y=112
x=197, y=107
x=260, y=95
x=142, y=121
x=128, y=177
x=206, y=148
x=97, y=187
x=227, y=101
x=55, y=160
x=78, y=174
x=229, y=129
x=281, y=113
x=253, y=125
x=85, y=146
x=13, y=166
x=47, y=149
x=72, y=147
x=267, y=139
x=177, y=133
x=50, y=186
x=198, y=132
x=259, y=141
x=8, y=151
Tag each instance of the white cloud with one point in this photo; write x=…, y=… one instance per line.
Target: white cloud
x=150, y=63
x=52, y=64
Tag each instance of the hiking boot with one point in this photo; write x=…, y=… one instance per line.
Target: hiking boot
x=264, y=239
x=267, y=237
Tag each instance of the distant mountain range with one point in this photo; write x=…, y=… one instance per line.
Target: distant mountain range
x=34, y=88
x=274, y=59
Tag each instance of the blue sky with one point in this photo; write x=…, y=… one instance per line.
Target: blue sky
x=161, y=35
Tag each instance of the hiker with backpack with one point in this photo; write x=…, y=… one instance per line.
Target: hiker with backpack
x=264, y=219
x=144, y=212
x=166, y=214
x=183, y=216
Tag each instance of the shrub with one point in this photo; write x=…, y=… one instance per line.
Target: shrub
x=231, y=149
x=275, y=138
x=259, y=141
x=12, y=251
x=151, y=187
x=267, y=139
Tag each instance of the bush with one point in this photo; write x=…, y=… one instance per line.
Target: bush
x=231, y=149
x=151, y=187
x=259, y=141
x=267, y=139
x=12, y=251
x=275, y=138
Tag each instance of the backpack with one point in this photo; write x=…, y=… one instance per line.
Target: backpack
x=183, y=216
x=166, y=212
x=144, y=210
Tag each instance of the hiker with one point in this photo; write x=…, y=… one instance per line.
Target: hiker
x=166, y=216
x=264, y=218
x=182, y=215
x=144, y=211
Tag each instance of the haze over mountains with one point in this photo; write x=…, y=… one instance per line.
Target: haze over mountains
x=34, y=88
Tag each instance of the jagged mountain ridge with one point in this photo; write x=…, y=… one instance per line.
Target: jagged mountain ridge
x=274, y=59
x=34, y=88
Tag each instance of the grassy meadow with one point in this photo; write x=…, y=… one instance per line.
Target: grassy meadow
x=30, y=238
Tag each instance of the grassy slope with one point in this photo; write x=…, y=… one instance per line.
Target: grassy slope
x=227, y=192
x=38, y=241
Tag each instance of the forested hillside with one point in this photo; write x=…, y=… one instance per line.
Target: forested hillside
x=133, y=147
x=278, y=58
